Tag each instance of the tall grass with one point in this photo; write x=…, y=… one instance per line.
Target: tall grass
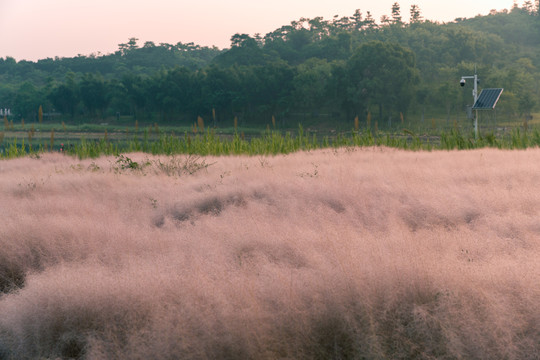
x=345, y=253
x=207, y=142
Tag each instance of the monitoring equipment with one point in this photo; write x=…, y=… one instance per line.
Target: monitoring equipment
x=488, y=99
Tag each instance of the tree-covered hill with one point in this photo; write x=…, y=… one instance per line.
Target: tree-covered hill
x=129, y=58
x=401, y=66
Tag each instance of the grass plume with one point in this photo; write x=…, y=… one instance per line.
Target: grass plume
x=381, y=253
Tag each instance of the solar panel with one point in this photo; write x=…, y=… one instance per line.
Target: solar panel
x=488, y=99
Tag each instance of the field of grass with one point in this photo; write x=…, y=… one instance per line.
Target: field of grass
x=225, y=141
x=338, y=253
x=95, y=138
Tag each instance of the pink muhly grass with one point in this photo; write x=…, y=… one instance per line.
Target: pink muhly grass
x=352, y=253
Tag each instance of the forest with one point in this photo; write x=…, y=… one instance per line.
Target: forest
x=322, y=70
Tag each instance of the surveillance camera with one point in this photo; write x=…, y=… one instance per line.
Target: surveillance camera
x=462, y=82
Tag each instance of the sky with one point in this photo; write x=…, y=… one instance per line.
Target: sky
x=39, y=29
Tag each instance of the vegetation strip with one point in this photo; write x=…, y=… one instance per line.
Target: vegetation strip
x=270, y=142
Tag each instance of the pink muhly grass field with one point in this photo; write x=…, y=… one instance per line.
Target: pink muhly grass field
x=333, y=254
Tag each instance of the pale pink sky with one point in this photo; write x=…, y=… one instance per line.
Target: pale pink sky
x=37, y=29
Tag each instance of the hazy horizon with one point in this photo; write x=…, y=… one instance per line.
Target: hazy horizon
x=33, y=30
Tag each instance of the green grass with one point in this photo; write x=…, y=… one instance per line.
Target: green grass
x=94, y=139
x=268, y=142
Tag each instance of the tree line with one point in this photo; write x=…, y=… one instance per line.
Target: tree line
x=345, y=67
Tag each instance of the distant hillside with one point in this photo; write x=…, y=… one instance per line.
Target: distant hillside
x=129, y=58
x=349, y=66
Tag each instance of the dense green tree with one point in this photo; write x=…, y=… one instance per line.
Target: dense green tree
x=7, y=95
x=27, y=101
x=311, y=84
x=178, y=92
x=382, y=75
x=93, y=92
x=271, y=89
x=396, y=14
x=135, y=91
x=220, y=90
x=64, y=99
x=245, y=50
x=370, y=23
x=348, y=63
x=357, y=20
x=65, y=96
x=416, y=15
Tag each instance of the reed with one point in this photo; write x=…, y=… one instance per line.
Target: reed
x=200, y=123
x=275, y=142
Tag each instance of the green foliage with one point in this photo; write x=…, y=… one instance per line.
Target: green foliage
x=267, y=143
x=346, y=66
x=178, y=167
x=381, y=74
x=64, y=97
x=311, y=83
x=93, y=93
x=123, y=162
x=27, y=100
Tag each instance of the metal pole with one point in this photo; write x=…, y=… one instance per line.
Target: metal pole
x=475, y=95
